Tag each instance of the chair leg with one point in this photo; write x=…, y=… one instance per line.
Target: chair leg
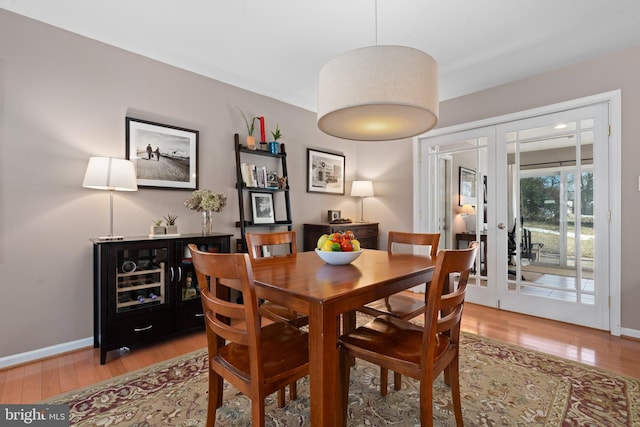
x=281, y=401
x=455, y=391
x=215, y=397
x=257, y=412
x=293, y=391
x=384, y=381
x=343, y=399
x=447, y=375
x=426, y=403
x=397, y=381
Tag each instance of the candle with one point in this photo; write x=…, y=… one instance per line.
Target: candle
x=262, y=134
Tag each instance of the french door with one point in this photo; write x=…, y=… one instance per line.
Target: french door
x=535, y=193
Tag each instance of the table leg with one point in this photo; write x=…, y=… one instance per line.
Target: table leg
x=324, y=367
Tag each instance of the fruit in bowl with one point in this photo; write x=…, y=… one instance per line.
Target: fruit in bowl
x=338, y=248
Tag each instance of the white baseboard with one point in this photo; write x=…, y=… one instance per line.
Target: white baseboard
x=631, y=333
x=29, y=356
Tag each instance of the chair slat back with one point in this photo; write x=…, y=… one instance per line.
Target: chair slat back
x=415, y=239
x=444, y=306
x=257, y=241
x=217, y=274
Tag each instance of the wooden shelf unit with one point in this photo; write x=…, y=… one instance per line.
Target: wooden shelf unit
x=281, y=195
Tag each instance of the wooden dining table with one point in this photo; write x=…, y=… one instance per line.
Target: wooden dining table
x=307, y=284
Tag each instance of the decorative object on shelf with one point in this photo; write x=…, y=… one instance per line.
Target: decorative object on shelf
x=206, y=201
x=170, y=224
x=274, y=146
x=362, y=189
x=157, y=228
x=263, y=135
x=282, y=182
x=262, y=208
x=333, y=215
x=354, y=97
x=173, y=151
x=251, y=140
x=325, y=172
x=107, y=173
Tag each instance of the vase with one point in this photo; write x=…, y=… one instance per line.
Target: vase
x=251, y=143
x=274, y=147
x=207, y=223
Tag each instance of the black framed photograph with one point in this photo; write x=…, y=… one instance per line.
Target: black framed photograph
x=325, y=172
x=262, y=207
x=467, y=187
x=164, y=156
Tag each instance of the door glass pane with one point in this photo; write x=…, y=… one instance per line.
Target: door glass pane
x=550, y=252
x=457, y=174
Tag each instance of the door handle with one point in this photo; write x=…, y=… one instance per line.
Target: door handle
x=501, y=226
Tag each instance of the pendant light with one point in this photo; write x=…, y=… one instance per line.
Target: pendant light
x=378, y=93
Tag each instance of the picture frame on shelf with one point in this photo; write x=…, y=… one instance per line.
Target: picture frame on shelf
x=262, y=207
x=467, y=187
x=165, y=156
x=325, y=172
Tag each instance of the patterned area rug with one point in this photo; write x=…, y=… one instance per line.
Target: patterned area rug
x=502, y=385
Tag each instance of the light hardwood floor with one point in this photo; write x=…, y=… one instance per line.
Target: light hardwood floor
x=40, y=380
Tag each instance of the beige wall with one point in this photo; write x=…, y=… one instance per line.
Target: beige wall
x=64, y=98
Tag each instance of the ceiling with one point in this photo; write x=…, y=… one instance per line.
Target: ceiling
x=277, y=47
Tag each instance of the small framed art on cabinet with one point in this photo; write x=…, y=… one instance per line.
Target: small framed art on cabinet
x=333, y=215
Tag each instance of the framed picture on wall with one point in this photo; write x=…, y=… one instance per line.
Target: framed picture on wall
x=325, y=172
x=164, y=156
x=262, y=208
x=467, y=187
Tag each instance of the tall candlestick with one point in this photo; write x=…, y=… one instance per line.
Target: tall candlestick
x=262, y=134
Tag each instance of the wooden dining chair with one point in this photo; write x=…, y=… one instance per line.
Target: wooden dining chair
x=420, y=352
x=281, y=243
x=257, y=360
x=398, y=305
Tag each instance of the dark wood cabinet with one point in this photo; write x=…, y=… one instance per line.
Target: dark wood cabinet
x=146, y=289
x=365, y=232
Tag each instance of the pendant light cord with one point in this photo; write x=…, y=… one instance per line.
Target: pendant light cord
x=376, y=22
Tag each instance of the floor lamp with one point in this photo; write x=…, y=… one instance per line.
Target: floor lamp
x=362, y=189
x=108, y=173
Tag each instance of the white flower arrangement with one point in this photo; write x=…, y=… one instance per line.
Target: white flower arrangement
x=206, y=200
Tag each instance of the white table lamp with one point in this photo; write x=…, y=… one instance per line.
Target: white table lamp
x=108, y=173
x=362, y=189
x=465, y=211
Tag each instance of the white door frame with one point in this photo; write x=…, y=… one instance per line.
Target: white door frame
x=613, y=100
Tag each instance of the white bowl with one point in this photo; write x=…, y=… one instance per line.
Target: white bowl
x=338, y=258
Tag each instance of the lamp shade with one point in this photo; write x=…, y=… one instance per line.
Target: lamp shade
x=362, y=189
x=378, y=93
x=467, y=210
x=108, y=173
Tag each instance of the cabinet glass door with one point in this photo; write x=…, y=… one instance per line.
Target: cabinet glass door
x=187, y=279
x=141, y=278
